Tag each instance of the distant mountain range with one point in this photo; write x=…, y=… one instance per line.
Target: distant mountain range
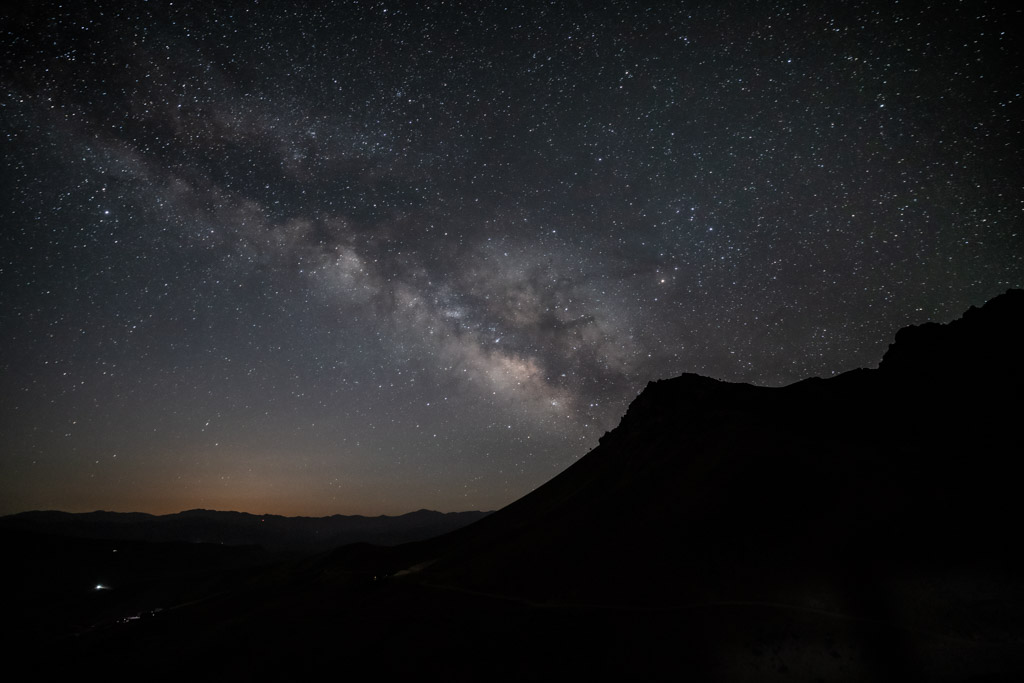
x=272, y=532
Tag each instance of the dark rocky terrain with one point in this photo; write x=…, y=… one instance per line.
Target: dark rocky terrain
x=856, y=528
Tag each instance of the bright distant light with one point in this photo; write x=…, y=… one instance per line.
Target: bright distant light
x=101, y=587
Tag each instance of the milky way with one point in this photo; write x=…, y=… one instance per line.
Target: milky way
x=392, y=255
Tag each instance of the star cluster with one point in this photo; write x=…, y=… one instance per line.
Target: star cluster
x=382, y=256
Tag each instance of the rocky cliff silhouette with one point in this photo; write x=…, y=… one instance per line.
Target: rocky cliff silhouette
x=859, y=527
x=730, y=484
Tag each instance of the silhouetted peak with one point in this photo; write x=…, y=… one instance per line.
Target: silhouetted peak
x=684, y=393
x=982, y=345
x=671, y=401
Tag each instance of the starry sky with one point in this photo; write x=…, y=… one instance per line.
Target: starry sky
x=389, y=255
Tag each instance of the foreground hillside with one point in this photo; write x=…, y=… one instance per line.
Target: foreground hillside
x=857, y=528
x=912, y=463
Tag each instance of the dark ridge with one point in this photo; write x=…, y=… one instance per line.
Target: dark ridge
x=913, y=462
x=273, y=532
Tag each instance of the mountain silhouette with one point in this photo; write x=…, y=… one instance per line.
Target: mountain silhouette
x=861, y=527
x=883, y=498
x=913, y=461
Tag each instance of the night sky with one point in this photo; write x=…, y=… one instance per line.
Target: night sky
x=391, y=256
